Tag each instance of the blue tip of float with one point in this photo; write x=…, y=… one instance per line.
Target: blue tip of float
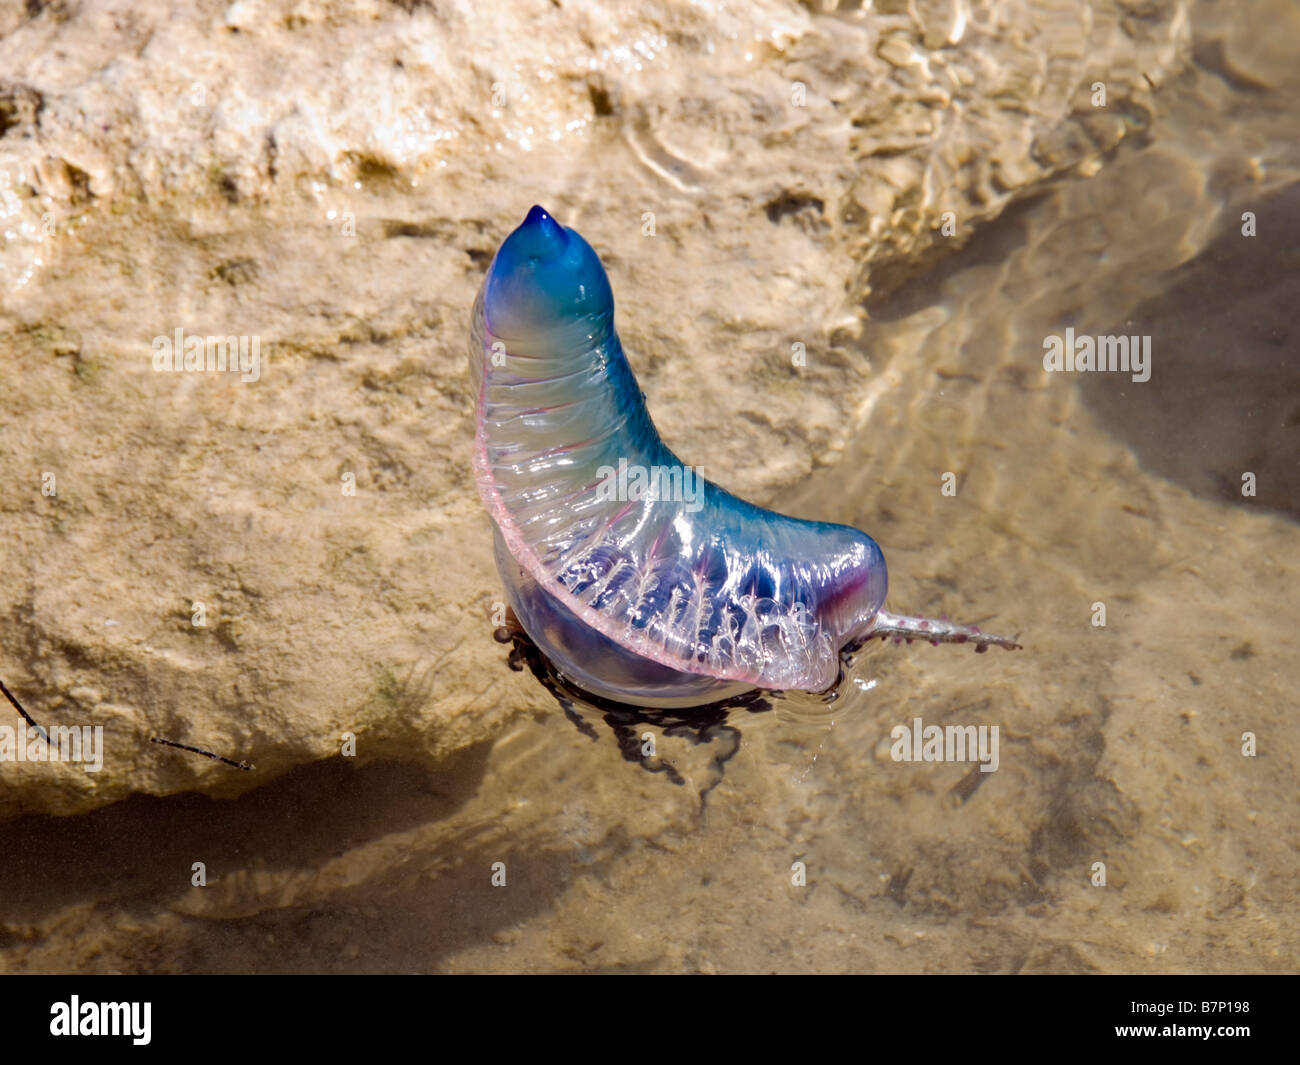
x=540, y=237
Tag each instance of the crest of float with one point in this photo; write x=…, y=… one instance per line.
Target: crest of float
x=640, y=579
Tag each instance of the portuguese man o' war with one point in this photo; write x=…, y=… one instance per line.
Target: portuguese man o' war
x=643, y=582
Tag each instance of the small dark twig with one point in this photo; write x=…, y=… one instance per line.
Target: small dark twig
x=155, y=739
x=199, y=750
x=26, y=716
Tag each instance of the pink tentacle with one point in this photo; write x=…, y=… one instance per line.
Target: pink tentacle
x=936, y=630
